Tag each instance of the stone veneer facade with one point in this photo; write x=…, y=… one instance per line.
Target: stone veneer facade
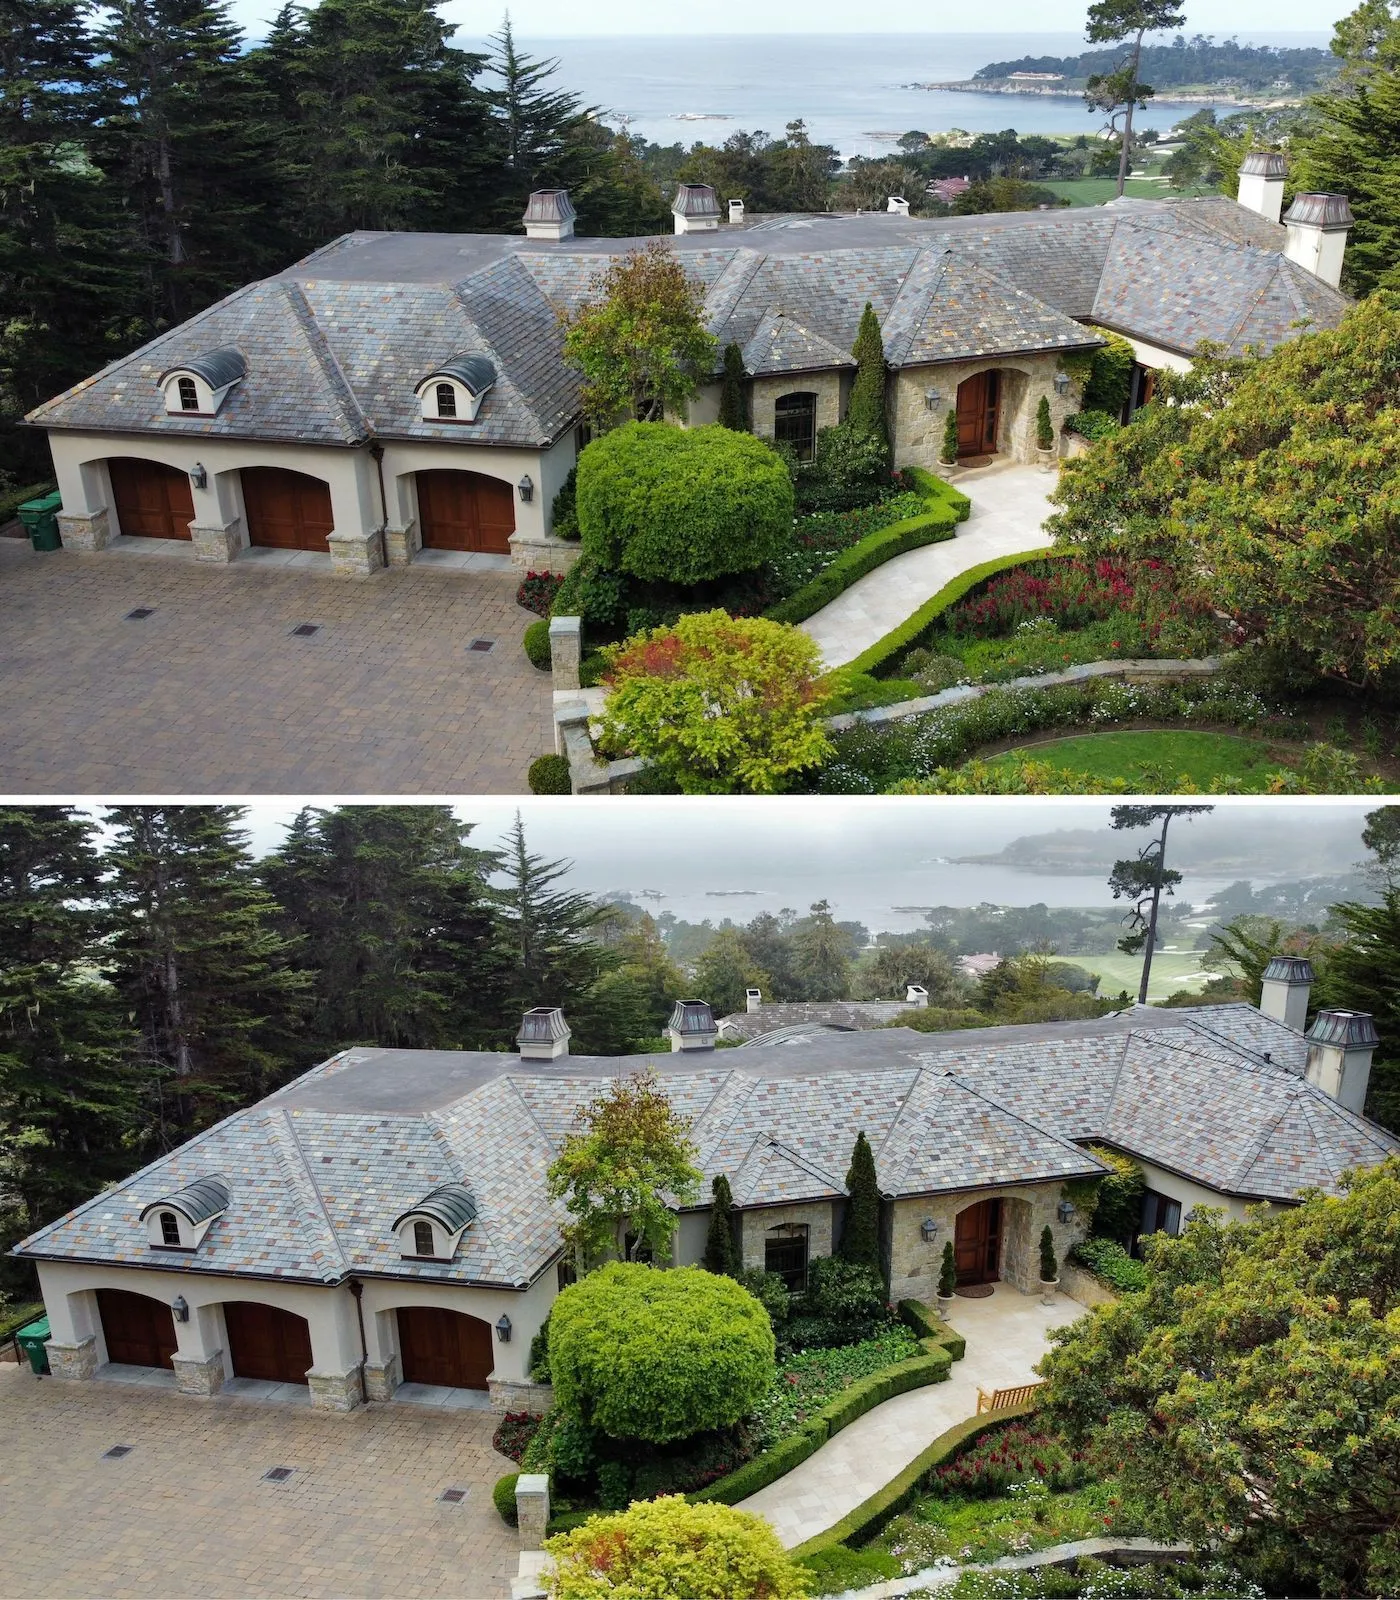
x=756, y=1224
x=764, y=394
x=918, y=431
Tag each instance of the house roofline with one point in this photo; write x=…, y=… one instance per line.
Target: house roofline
x=1176, y=1172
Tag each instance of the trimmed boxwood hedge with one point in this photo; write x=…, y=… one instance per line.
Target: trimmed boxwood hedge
x=503, y=1496
x=536, y=643
x=929, y=1325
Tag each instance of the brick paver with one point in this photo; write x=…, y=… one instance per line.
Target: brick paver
x=188, y=1512
x=212, y=694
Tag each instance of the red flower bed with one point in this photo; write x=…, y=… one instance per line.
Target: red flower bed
x=1074, y=593
x=516, y=1430
x=1011, y=1455
x=537, y=592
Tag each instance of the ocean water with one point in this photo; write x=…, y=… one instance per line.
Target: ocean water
x=854, y=91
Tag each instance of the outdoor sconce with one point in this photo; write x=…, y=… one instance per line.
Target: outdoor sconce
x=503, y=1330
x=1062, y=383
x=1066, y=1210
x=198, y=476
x=928, y=1230
x=527, y=489
x=932, y=398
x=180, y=1307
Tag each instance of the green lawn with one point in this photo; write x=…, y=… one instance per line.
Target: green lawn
x=1095, y=191
x=1171, y=970
x=1163, y=754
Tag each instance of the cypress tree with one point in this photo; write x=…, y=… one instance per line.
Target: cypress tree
x=865, y=416
x=719, y=1241
x=822, y=952
x=860, y=1240
x=733, y=407
x=947, y=1271
x=949, y=454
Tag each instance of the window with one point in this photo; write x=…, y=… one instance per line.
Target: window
x=785, y=1252
x=169, y=1222
x=795, y=423
x=566, y=1274
x=446, y=400
x=423, y=1239
x=189, y=395
x=1160, y=1214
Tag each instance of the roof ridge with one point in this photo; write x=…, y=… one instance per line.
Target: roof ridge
x=325, y=356
x=906, y=322
x=1252, y=1157
x=806, y=1163
x=310, y=1176
x=1025, y=1122
x=460, y=292
x=507, y=1254
x=1252, y=303
x=723, y=296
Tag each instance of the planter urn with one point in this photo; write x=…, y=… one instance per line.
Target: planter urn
x=1048, y=1286
x=1046, y=459
x=945, y=1304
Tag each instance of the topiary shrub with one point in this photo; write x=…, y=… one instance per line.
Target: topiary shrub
x=563, y=515
x=1049, y=1267
x=949, y=454
x=670, y=1547
x=503, y=1497
x=682, y=505
x=850, y=1295
x=948, y=1271
x=1044, y=428
x=536, y=644
x=659, y=1355
x=550, y=775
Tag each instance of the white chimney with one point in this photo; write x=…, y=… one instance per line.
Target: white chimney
x=1283, y=995
x=916, y=995
x=544, y=1035
x=1340, y=1046
x=1318, y=225
x=549, y=215
x=753, y=999
x=897, y=205
x=736, y=213
x=695, y=209
x=692, y=1026
x=1261, y=183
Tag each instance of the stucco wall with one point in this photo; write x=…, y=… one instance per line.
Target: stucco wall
x=689, y=1244
x=918, y=431
x=1190, y=1194
x=1026, y=1209
x=1152, y=355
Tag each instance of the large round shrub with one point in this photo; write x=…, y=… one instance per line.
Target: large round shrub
x=649, y=1354
x=682, y=505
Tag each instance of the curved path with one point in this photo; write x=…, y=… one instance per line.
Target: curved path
x=1007, y=1333
x=1009, y=505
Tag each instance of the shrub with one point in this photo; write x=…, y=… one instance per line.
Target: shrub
x=671, y=1547
x=768, y=1289
x=947, y=1271
x=949, y=454
x=614, y=1485
x=932, y=671
x=538, y=1363
x=849, y=469
x=865, y=412
x=537, y=591
x=1044, y=428
x=682, y=505
x=573, y=1448
x=773, y=1464
x=840, y=1568
x=595, y=594
x=563, y=516
x=550, y=775
x=720, y=704
x=719, y=1238
x=1110, y=373
x=1107, y=1259
x=1091, y=425
x=646, y=1354
x=503, y=1497
x=733, y=406
x=1010, y=1455
x=849, y=1294
x=536, y=643
x=1073, y=592
x=1049, y=1266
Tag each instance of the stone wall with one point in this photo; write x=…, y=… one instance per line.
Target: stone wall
x=1026, y=1209
x=766, y=392
x=755, y=1226
x=918, y=431
x=1081, y=1285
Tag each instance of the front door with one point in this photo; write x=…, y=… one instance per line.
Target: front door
x=977, y=1246
x=152, y=501
x=139, y=1331
x=979, y=407
x=267, y=1342
x=287, y=510
x=444, y=1348
x=465, y=511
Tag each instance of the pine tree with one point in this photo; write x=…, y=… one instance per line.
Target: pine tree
x=197, y=959
x=860, y=1239
x=719, y=1241
x=823, y=959
x=725, y=971
x=865, y=415
x=733, y=407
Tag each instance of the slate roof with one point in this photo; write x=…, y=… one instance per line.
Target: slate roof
x=335, y=345
x=318, y=1172
x=775, y=1016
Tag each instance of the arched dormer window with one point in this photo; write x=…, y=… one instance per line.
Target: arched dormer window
x=454, y=391
x=199, y=386
x=180, y=1220
x=432, y=1229
x=423, y=1239
x=446, y=400
x=189, y=395
x=169, y=1228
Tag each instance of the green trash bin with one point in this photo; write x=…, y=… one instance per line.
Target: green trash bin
x=40, y=518
x=31, y=1340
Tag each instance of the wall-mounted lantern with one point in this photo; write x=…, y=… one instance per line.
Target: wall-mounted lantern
x=932, y=399
x=928, y=1230
x=503, y=1330
x=1066, y=1210
x=1062, y=383
x=180, y=1306
x=527, y=489
x=199, y=477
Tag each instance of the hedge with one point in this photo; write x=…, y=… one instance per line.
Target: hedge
x=11, y=502
x=536, y=643
x=947, y=508
x=929, y=1325
x=503, y=1496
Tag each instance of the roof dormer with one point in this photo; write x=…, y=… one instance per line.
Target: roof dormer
x=181, y=1220
x=197, y=388
x=454, y=391
x=431, y=1230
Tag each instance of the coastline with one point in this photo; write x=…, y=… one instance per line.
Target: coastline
x=1189, y=97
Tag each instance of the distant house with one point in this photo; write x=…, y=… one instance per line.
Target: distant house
x=384, y=1218
x=948, y=189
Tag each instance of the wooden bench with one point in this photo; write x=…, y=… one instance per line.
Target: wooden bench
x=1003, y=1399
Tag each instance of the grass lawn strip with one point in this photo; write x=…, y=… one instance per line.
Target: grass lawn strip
x=1198, y=754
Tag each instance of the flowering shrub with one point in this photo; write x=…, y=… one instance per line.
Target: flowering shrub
x=537, y=592
x=806, y=1382
x=515, y=1431
x=1002, y=1462
x=818, y=539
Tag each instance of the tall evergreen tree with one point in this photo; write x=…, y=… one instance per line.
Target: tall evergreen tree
x=860, y=1238
x=719, y=1254
x=823, y=962
x=199, y=963
x=733, y=408
x=725, y=971
x=865, y=415
x=1359, y=975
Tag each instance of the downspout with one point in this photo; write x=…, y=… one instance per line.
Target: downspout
x=377, y=451
x=358, y=1290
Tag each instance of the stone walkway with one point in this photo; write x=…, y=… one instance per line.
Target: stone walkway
x=1009, y=504
x=1006, y=1334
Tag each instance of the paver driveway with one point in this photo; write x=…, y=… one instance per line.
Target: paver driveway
x=188, y=1511
x=213, y=694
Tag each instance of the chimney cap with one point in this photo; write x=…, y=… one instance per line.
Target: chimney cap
x=692, y=1017
x=1288, y=969
x=1265, y=164
x=756, y=992
x=695, y=200
x=1349, y=1030
x=1330, y=212
x=549, y=205
x=542, y=1025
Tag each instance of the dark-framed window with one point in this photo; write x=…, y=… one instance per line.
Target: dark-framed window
x=785, y=1252
x=423, y=1239
x=189, y=395
x=795, y=423
x=169, y=1228
x=566, y=1273
x=1160, y=1214
x=446, y=400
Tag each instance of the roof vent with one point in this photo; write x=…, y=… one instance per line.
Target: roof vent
x=695, y=208
x=544, y=1035
x=1340, y=1046
x=692, y=1026
x=753, y=999
x=1283, y=993
x=1317, y=234
x=549, y=214
x=916, y=995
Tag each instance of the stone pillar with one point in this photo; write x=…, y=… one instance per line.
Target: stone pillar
x=72, y=1360
x=356, y=555
x=382, y=1378
x=565, y=651
x=218, y=542
x=402, y=544
x=532, y=1508
x=334, y=1391
x=85, y=530
x=201, y=1375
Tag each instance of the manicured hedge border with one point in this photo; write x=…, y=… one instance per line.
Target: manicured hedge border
x=947, y=508
x=929, y=1325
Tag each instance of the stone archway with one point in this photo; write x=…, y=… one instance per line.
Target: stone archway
x=992, y=415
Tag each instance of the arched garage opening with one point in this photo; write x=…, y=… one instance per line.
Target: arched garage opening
x=137, y=1330
x=286, y=510
x=445, y=1348
x=151, y=501
x=465, y=511
x=266, y=1342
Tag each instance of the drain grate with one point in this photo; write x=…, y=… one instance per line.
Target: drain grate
x=482, y=645
x=454, y=1497
x=278, y=1474
x=304, y=630
x=117, y=1452
x=140, y=614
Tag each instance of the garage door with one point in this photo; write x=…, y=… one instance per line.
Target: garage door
x=152, y=501
x=287, y=510
x=267, y=1342
x=444, y=1347
x=465, y=511
x=140, y=1332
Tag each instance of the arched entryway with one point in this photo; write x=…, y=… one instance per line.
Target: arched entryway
x=977, y=1243
x=465, y=511
x=151, y=501
x=137, y=1330
x=444, y=1348
x=980, y=402
x=266, y=1342
x=286, y=510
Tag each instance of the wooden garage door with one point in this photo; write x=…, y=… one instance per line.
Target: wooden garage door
x=267, y=1342
x=444, y=1347
x=287, y=510
x=140, y=1332
x=466, y=511
x=153, y=502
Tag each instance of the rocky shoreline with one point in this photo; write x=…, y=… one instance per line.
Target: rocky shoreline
x=1201, y=97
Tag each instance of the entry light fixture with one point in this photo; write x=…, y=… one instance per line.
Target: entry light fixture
x=928, y=1230
x=527, y=489
x=932, y=397
x=503, y=1330
x=199, y=477
x=1066, y=1210
x=1062, y=383
x=180, y=1306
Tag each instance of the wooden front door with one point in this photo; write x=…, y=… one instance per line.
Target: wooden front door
x=444, y=1347
x=152, y=501
x=977, y=1246
x=140, y=1332
x=287, y=510
x=979, y=409
x=465, y=511
x=267, y=1342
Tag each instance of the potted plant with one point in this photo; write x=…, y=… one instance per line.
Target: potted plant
x=947, y=1280
x=948, y=456
x=1049, y=1267
x=1044, y=435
